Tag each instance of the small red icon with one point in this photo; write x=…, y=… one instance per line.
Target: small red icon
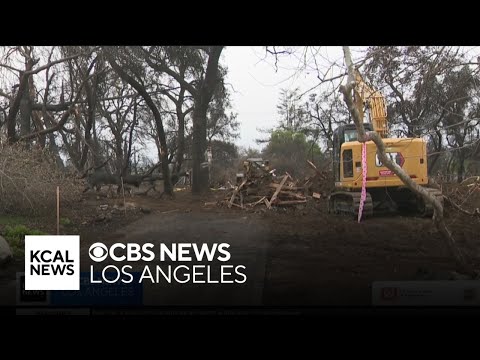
x=389, y=293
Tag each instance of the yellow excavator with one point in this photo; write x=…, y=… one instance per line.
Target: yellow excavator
x=385, y=192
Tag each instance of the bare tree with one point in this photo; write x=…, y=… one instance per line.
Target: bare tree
x=202, y=88
x=136, y=83
x=432, y=93
x=23, y=99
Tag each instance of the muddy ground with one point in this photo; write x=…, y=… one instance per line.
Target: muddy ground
x=292, y=257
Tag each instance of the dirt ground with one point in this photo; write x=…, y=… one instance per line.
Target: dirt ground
x=293, y=257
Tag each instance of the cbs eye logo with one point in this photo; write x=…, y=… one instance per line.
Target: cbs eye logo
x=98, y=252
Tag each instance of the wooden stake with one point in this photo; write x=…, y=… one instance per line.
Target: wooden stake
x=58, y=210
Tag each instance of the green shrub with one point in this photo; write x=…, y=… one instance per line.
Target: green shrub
x=15, y=236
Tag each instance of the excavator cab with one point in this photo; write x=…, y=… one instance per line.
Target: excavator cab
x=342, y=134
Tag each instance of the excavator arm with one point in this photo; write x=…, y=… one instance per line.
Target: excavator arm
x=365, y=95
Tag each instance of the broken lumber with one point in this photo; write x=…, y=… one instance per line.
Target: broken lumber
x=269, y=206
x=318, y=172
x=292, y=194
x=257, y=202
x=312, y=165
x=236, y=192
x=274, y=196
x=287, y=174
x=275, y=185
x=291, y=202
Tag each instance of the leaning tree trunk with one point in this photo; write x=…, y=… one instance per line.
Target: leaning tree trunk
x=16, y=103
x=363, y=136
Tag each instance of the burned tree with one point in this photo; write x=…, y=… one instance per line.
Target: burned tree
x=204, y=70
x=126, y=63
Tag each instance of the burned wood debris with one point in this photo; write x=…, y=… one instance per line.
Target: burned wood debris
x=260, y=187
x=463, y=197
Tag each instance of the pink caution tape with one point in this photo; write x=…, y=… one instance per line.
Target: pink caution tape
x=364, y=180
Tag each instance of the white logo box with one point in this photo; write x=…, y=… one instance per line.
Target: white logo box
x=67, y=247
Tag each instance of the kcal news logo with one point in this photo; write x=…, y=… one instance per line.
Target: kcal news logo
x=52, y=262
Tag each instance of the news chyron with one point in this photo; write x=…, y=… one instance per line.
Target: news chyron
x=53, y=263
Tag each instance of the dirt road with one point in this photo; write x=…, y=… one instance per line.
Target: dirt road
x=291, y=258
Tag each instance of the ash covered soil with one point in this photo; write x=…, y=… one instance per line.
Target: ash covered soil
x=292, y=256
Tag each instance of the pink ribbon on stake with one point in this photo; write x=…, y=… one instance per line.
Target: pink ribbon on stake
x=363, y=195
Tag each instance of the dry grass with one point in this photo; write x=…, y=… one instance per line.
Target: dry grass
x=28, y=182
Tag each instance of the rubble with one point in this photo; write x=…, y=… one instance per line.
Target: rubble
x=321, y=183
x=261, y=188
x=464, y=196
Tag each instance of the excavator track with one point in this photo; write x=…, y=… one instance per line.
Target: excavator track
x=426, y=209
x=348, y=203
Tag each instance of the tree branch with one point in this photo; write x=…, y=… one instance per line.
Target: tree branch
x=163, y=68
x=65, y=116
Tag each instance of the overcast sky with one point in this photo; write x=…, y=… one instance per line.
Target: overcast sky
x=257, y=85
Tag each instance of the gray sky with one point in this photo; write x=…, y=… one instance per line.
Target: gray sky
x=257, y=84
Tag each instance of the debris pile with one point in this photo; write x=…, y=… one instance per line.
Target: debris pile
x=268, y=191
x=106, y=212
x=260, y=187
x=320, y=184
x=464, y=196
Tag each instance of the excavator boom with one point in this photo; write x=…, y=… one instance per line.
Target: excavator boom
x=376, y=103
